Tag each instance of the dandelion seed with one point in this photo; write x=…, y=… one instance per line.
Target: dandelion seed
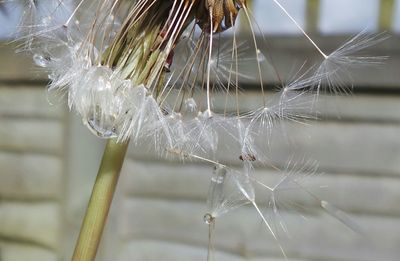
x=244, y=183
x=337, y=66
x=222, y=197
x=293, y=185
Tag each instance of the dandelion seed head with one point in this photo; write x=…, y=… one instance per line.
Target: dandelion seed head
x=150, y=72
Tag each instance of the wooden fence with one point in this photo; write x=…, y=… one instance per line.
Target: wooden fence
x=48, y=162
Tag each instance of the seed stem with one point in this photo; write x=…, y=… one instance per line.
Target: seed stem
x=100, y=201
x=301, y=29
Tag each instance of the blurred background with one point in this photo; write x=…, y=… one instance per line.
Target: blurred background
x=48, y=160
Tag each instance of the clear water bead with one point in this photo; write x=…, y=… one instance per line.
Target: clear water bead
x=260, y=56
x=100, y=131
x=219, y=175
x=102, y=102
x=102, y=127
x=40, y=60
x=208, y=219
x=190, y=105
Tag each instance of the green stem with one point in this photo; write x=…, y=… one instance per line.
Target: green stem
x=100, y=201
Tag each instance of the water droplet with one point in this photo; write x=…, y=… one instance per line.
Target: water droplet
x=190, y=105
x=260, y=56
x=46, y=21
x=219, y=174
x=101, y=129
x=101, y=123
x=208, y=219
x=41, y=60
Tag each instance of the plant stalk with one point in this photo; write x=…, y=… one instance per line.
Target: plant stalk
x=100, y=201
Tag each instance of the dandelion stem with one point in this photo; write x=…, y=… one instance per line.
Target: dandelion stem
x=100, y=201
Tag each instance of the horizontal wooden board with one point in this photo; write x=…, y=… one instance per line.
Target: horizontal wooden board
x=287, y=52
x=355, y=107
x=152, y=250
x=354, y=193
x=338, y=148
x=37, y=223
x=242, y=233
x=32, y=135
x=30, y=176
x=16, y=66
x=28, y=101
x=20, y=251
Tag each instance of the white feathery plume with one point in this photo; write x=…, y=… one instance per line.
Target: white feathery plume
x=221, y=201
x=295, y=183
x=338, y=65
x=204, y=133
x=223, y=197
x=290, y=187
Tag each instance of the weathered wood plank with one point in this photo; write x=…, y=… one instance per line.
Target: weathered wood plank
x=16, y=66
x=19, y=252
x=83, y=156
x=169, y=251
x=338, y=147
x=285, y=50
x=358, y=107
x=31, y=135
x=165, y=180
x=31, y=102
x=350, y=107
x=190, y=181
x=39, y=223
x=241, y=232
x=27, y=101
x=30, y=176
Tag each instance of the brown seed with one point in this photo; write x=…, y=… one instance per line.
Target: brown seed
x=247, y=157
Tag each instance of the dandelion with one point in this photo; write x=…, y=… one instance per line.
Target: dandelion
x=148, y=71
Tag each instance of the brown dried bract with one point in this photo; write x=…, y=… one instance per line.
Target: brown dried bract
x=221, y=14
x=247, y=157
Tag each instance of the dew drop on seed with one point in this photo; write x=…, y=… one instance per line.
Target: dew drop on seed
x=101, y=131
x=208, y=219
x=260, y=56
x=101, y=124
x=46, y=21
x=40, y=60
x=190, y=105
